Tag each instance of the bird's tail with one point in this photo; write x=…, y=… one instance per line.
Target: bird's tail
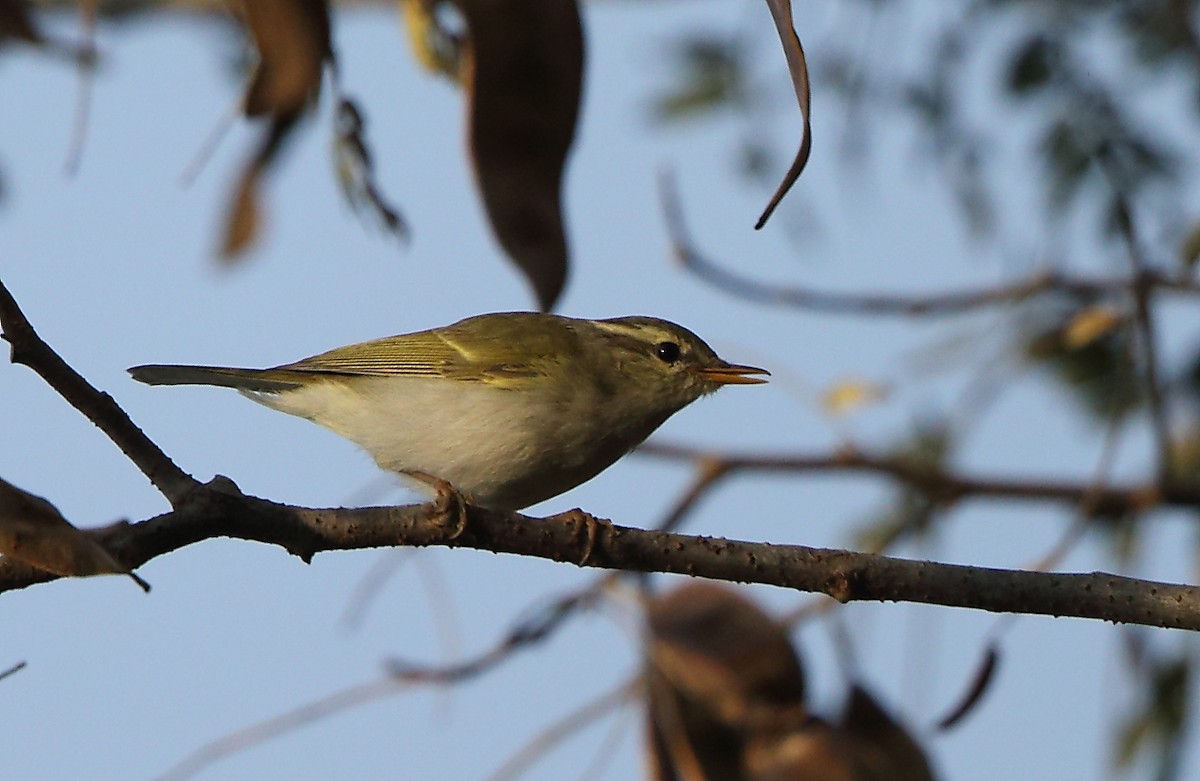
x=254, y=380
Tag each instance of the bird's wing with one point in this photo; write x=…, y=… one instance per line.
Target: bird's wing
x=500, y=350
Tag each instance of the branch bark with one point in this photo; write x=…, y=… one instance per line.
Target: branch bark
x=217, y=509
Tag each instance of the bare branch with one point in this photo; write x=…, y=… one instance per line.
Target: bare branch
x=98, y=407
x=947, y=486
x=886, y=304
x=215, y=510
x=529, y=631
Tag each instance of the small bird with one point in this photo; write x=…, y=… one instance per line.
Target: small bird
x=510, y=408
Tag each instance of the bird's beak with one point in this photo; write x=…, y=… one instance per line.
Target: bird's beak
x=733, y=374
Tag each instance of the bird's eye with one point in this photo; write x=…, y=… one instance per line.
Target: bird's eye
x=667, y=351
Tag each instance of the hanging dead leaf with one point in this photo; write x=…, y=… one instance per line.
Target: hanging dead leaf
x=1089, y=325
x=880, y=747
x=815, y=752
x=726, y=701
x=980, y=683
x=718, y=669
x=244, y=218
x=852, y=394
x=33, y=531
x=242, y=222
x=720, y=647
x=292, y=39
x=16, y=24
x=524, y=70
x=781, y=12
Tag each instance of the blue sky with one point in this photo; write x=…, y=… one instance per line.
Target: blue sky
x=114, y=267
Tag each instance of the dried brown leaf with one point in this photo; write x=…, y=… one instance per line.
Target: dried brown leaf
x=524, y=73
x=16, y=23
x=33, y=531
x=719, y=647
x=814, y=753
x=242, y=222
x=292, y=39
x=244, y=217
x=880, y=747
x=781, y=12
x=726, y=692
x=718, y=669
x=981, y=682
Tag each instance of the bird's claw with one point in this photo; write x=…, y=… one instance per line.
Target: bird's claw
x=449, y=503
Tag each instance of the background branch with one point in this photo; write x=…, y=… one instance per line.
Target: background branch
x=947, y=486
x=889, y=304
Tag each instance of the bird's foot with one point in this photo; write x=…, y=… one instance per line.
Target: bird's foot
x=590, y=526
x=449, y=503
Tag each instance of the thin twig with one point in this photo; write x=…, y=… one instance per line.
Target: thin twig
x=531, y=631
x=279, y=725
x=1142, y=289
x=98, y=407
x=16, y=668
x=563, y=728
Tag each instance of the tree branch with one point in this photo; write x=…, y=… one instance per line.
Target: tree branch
x=881, y=304
x=97, y=406
x=946, y=486
x=218, y=510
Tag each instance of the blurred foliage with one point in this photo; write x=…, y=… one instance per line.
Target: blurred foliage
x=913, y=507
x=1157, y=727
x=710, y=74
x=1096, y=369
x=1090, y=138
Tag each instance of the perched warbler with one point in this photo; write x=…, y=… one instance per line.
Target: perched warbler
x=509, y=408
